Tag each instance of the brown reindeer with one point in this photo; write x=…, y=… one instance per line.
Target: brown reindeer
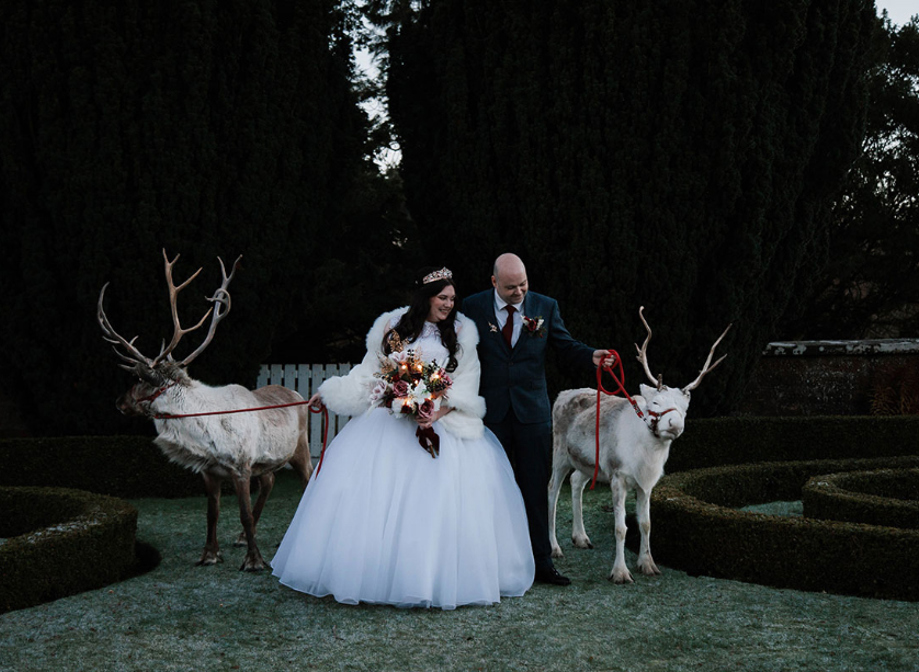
x=195, y=429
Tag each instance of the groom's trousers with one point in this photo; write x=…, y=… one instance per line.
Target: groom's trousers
x=529, y=449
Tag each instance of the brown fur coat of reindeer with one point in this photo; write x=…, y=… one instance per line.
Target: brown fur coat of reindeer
x=195, y=430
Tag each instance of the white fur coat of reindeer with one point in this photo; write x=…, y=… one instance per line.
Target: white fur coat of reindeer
x=634, y=446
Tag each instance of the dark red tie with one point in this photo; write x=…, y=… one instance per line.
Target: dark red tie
x=508, y=330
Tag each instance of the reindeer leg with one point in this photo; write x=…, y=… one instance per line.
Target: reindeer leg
x=265, y=484
x=643, y=512
x=578, y=534
x=555, y=485
x=211, y=554
x=302, y=461
x=253, y=561
x=620, y=573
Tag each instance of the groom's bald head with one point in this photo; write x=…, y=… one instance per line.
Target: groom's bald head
x=510, y=278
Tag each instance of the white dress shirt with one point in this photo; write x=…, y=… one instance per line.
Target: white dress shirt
x=501, y=315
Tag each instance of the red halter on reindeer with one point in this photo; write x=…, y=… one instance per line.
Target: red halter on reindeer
x=207, y=429
x=633, y=446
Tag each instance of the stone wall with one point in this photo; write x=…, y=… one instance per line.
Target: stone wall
x=826, y=377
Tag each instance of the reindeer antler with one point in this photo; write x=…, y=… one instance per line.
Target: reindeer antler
x=643, y=352
x=134, y=355
x=221, y=307
x=220, y=299
x=178, y=331
x=705, y=367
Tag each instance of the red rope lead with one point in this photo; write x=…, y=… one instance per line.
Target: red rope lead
x=620, y=382
x=321, y=409
x=325, y=432
x=170, y=416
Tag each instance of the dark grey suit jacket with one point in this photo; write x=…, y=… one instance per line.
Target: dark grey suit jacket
x=516, y=378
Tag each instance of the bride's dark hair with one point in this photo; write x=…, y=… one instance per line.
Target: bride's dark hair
x=412, y=322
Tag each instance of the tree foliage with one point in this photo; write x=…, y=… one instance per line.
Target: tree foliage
x=870, y=287
x=206, y=128
x=678, y=154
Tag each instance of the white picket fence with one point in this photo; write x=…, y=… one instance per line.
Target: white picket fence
x=306, y=379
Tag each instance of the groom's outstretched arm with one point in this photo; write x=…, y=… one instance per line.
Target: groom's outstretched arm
x=572, y=352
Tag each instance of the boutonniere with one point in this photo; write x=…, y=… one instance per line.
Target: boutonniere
x=535, y=326
x=493, y=328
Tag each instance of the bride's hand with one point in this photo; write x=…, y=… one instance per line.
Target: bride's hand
x=315, y=402
x=425, y=421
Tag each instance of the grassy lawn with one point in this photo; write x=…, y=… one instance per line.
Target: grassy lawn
x=182, y=617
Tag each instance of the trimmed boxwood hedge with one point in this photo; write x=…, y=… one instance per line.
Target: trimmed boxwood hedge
x=712, y=442
x=60, y=542
x=880, y=497
x=132, y=466
x=120, y=466
x=698, y=529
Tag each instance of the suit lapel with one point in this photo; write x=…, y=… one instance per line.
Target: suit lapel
x=489, y=320
x=523, y=330
x=505, y=348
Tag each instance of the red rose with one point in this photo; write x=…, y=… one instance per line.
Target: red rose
x=426, y=409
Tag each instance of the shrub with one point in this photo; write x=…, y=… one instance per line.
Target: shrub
x=120, y=466
x=720, y=441
x=61, y=542
x=697, y=529
x=883, y=497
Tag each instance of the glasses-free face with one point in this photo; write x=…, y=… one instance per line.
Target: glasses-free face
x=442, y=304
x=511, y=286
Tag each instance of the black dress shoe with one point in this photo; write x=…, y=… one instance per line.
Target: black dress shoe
x=551, y=575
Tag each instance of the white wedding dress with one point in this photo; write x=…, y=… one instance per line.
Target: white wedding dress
x=384, y=522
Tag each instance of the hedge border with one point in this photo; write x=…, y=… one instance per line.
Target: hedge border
x=715, y=442
x=855, y=497
x=78, y=541
x=120, y=466
x=698, y=529
x=133, y=466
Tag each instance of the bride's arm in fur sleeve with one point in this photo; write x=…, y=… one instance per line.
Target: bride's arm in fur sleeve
x=350, y=394
x=465, y=420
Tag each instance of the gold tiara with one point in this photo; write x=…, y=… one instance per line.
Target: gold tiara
x=443, y=274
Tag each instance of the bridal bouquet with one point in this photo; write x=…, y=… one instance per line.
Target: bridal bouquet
x=412, y=387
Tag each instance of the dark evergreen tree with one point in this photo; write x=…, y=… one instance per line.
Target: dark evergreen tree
x=870, y=287
x=678, y=154
x=206, y=128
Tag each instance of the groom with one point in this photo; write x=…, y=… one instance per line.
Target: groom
x=515, y=328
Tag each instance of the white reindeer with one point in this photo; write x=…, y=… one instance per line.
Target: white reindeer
x=634, y=445
x=216, y=444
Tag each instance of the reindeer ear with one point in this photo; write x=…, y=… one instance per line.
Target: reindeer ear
x=146, y=374
x=647, y=392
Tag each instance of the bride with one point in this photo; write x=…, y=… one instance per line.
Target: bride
x=389, y=519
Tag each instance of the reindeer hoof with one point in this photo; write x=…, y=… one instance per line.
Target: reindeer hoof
x=582, y=542
x=240, y=540
x=209, y=558
x=253, y=564
x=557, y=552
x=648, y=568
x=621, y=576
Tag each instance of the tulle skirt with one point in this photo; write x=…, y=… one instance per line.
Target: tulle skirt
x=384, y=522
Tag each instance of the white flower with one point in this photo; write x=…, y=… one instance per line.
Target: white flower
x=419, y=393
x=378, y=392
